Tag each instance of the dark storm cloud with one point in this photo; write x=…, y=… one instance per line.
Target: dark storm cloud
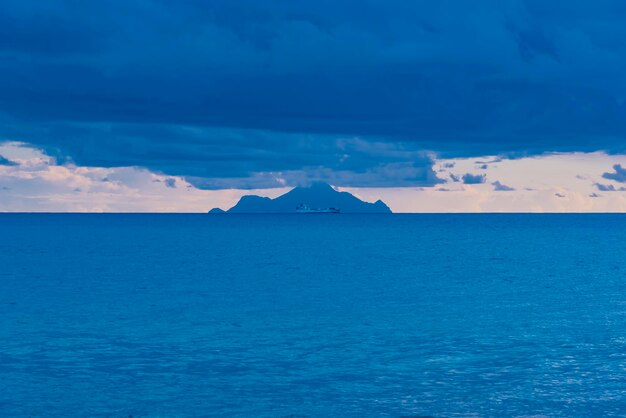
x=474, y=178
x=217, y=158
x=150, y=82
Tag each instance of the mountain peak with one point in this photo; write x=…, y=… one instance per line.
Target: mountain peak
x=319, y=185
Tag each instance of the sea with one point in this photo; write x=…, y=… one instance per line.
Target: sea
x=177, y=315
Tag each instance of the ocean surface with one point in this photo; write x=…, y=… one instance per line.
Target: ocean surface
x=312, y=315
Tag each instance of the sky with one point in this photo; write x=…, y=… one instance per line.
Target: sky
x=154, y=105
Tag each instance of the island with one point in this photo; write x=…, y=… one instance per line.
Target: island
x=217, y=211
x=318, y=195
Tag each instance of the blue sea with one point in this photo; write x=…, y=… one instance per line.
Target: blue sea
x=312, y=315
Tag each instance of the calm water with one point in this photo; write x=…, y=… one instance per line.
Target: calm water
x=347, y=316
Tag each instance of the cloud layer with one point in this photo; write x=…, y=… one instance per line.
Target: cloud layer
x=223, y=93
x=31, y=180
x=36, y=182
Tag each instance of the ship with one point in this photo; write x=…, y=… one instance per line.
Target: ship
x=302, y=208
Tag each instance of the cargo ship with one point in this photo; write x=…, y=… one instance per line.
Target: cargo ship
x=302, y=208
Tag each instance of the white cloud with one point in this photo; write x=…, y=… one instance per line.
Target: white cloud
x=37, y=183
x=549, y=183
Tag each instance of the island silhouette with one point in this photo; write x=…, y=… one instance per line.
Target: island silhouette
x=318, y=195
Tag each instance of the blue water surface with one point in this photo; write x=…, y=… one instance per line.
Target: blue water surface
x=312, y=315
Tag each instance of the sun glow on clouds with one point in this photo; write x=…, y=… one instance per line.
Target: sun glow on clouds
x=570, y=182
x=32, y=181
x=35, y=182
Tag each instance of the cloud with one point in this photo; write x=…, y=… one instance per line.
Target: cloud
x=491, y=161
x=609, y=188
x=5, y=161
x=228, y=90
x=231, y=158
x=499, y=187
x=619, y=175
x=474, y=178
x=384, y=175
x=170, y=182
x=40, y=183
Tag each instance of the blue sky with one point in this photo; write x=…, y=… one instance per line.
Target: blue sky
x=362, y=94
